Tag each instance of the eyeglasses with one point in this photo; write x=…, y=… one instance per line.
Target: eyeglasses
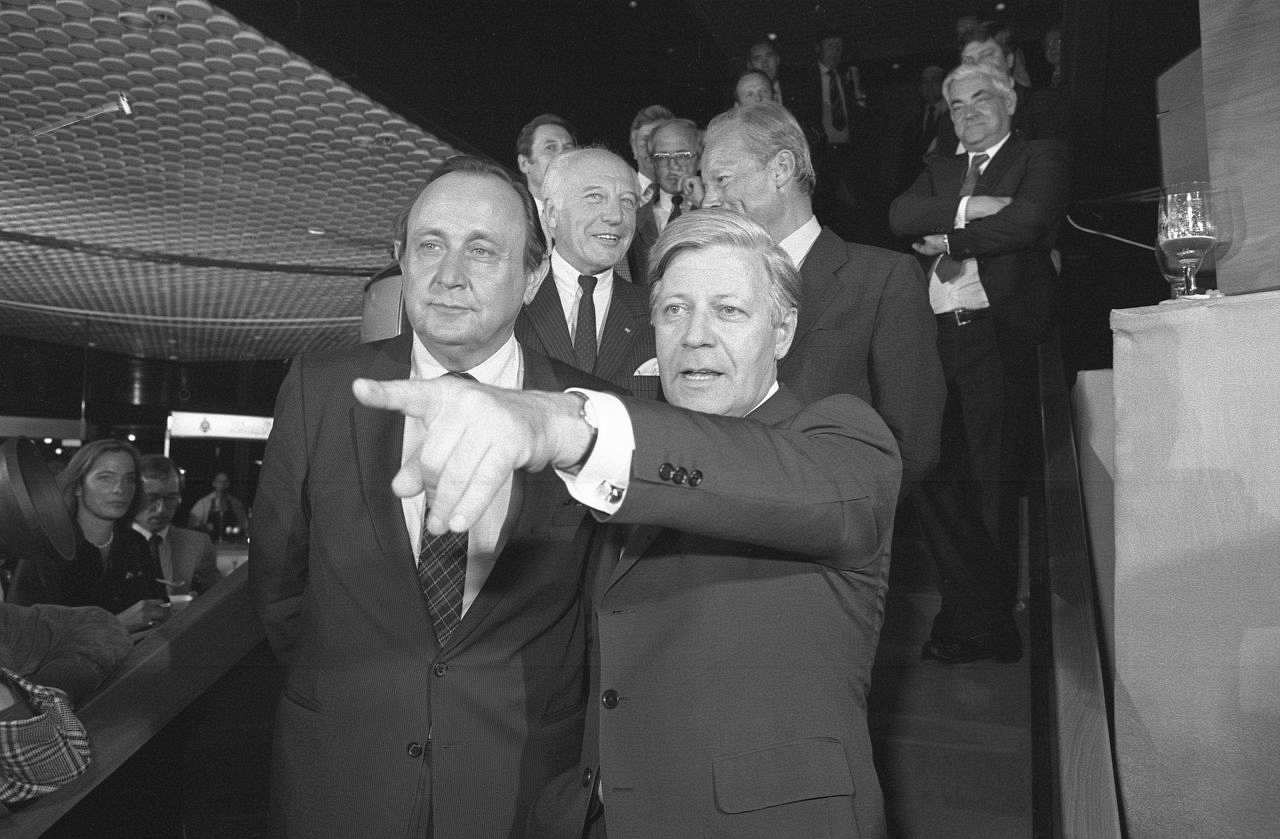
x=675, y=158
x=151, y=500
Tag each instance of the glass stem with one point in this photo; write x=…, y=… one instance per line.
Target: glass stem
x=1189, y=280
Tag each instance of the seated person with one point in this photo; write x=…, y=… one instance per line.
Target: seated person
x=51, y=658
x=113, y=567
x=187, y=558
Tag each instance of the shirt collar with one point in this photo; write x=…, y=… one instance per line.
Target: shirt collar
x=990, y=152
x=502, y=369
x=566, y=273
x=163, y=532
x=800, y=241
x=773, y=388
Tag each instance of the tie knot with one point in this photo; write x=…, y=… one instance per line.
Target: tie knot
x=588, y=283
x=978, y=160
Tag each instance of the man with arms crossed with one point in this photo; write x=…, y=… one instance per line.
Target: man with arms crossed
x=433, y=685
x=736, y=618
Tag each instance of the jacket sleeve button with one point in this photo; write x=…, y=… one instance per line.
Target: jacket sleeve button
x=665, y=471
x=680, y=476
x=609, y=699
x=695, y=478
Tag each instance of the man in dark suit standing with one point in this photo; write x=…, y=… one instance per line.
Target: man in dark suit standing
x=675, y=148
x=986, y=221
x=738, y=604
x=865, y=326
x=433, y=684
x=583, y=314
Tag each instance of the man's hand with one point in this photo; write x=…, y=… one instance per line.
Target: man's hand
x=931, y=245
x=476, y=436
x=981, y=206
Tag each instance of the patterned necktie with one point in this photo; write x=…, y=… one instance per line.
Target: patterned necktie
x=442, y=571
x=947, y=268
x=584, y=336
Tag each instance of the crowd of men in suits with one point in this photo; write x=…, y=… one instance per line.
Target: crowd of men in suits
x=600, y=546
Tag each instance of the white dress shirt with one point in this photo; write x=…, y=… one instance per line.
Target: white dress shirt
x=602, y=482
x=965, y=291
x=566, y=279
x=485, y=540
x=800, y=241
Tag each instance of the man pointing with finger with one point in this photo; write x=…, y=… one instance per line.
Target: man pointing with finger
x=435, y=680
x=737, y=592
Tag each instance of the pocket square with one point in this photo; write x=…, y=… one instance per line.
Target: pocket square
x=649, y=368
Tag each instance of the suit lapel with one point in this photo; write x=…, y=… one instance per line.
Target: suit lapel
x=997, y=167
x=522, y=514
x=820, y=280
x=546, y=315
x=379, y=436
x=620, y=330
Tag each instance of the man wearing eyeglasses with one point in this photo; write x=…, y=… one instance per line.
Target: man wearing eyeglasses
x=187, y=557
x=675, y=149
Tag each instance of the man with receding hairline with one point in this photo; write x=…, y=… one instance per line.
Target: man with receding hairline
x=433, y=684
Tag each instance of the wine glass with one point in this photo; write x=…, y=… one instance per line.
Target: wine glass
x=1185, y=230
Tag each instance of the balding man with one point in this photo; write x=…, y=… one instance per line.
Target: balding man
x=675, y=149
x=433, y=684
x=865, y=325
x=583, y=313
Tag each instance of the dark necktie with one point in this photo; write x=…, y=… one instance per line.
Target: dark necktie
x=947, y=268
x=676, y=201
x=442, y=571
x=836, y=97
x=584, y=336
x=157, y=567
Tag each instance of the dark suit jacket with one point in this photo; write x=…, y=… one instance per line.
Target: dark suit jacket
x=194, y=558
x=735, y=633
x=866, y=328
x=646, y=234
x=626, y=343
x=803, y=90
x=1012, y=247
x=379, y=728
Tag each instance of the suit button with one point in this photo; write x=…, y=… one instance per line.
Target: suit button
x=695, y=478
x=440, y=668
x=587, y=775
x=416, y=750
x=665, y=471
x=681, y=475
x=609, y=699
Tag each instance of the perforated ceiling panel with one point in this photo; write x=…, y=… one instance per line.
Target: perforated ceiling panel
x=159, y=233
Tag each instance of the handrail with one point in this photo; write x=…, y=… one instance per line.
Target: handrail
x=164, y=674
x=1085, y=797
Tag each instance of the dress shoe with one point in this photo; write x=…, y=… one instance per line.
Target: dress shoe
x=1003, y=645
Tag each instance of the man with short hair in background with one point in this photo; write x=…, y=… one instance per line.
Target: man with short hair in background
x=187, y=557
x=537, y=144
x=646, y=119
x=985, y=223
x=675, y=148
x=865, y=326
x=583, y=313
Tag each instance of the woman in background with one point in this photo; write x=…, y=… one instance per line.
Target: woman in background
x=113, y=566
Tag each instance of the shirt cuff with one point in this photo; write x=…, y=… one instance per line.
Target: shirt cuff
x=602, y=482
x=958, y=222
